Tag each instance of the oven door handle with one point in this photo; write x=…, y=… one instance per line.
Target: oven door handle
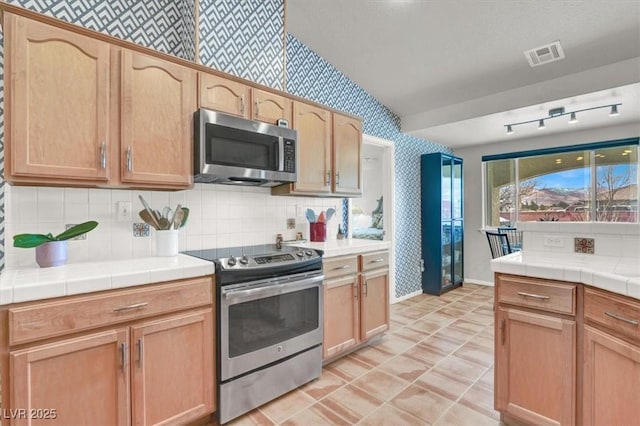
x=239, y=295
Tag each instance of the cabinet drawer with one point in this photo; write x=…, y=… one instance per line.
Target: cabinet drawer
x=374, y=260
x=538, y=294
x=616, y=313
x=339, y=266
x=42, y=320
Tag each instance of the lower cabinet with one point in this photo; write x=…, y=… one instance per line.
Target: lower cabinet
x=535, y=367
x=158, y=369
x=356, y=301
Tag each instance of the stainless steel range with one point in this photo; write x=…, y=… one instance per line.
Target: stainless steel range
x=269, y=332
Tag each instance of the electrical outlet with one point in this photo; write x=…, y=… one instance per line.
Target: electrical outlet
x=553, y=241
x=124, y=211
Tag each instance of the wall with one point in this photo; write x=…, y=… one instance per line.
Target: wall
x=477, y=255
x=243, y=37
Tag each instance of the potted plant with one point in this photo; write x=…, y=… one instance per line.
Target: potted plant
x=50, y=250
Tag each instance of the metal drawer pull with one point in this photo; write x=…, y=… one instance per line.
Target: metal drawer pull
x=377, y=260
x=134, y=306
x=534, y=296
x=621, y=318
x=342, y=267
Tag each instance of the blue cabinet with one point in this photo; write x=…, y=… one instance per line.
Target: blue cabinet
x=442, y=222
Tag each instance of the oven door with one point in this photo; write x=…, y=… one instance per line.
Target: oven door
x=265, y=321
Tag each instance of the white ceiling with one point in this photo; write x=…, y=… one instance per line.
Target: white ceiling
x=454, y=70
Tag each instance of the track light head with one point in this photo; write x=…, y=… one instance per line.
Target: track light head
x=509, y=130
x=614, y=111
x=541, y=125
x=573, y=119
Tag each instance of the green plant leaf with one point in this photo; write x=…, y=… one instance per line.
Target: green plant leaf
x=31, y=240
x=76, y=230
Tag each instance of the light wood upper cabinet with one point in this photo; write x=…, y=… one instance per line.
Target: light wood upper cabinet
x=84, y=380
x=221, y=94
x=347, y=155
x=269, y=107
x=172, y=370
x=313, y=125
x=57, y=103
x=158, y=101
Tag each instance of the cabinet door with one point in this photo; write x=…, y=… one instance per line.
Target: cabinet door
x=314, y=148
x=347, y=155
x=611, y=383
x=84, y=379
x=269, y=107
x=158, y=101
x=535, y=367
x=224, y=95
x=172, y=368
x=341, y=315
x=57, y=103
x=374, y=303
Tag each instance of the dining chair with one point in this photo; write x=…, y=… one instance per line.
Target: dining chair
x=514, y=236
x=498, y=243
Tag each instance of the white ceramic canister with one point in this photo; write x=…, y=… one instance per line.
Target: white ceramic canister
x=167, y=242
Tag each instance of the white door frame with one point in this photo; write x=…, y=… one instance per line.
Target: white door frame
x=388, y=205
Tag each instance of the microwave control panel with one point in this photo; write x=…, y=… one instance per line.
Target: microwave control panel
x=289, y=156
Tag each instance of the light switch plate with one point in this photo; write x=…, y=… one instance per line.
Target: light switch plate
x=124, y=211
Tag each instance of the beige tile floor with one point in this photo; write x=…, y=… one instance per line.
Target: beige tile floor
x=434, y=366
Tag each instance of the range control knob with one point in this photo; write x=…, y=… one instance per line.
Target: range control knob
x=231, y=261
x=244, y=260
x=308, y=253
x=300, y=253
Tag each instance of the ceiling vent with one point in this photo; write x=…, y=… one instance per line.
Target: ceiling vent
x=544, y=54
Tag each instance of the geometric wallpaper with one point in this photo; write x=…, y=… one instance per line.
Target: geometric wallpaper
x=244, y=38
x=312, y=77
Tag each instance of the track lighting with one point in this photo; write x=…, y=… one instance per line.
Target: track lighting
x=573, y=119
x=559, y=112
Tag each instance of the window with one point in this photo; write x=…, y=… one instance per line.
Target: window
x=595, y=182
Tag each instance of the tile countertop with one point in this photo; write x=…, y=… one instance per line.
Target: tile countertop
x=21, y=285
x=616, y=274
x=334, y=248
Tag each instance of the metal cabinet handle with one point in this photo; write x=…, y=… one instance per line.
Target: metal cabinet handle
x=242, y=105
x=140, y=352
x=534, y=296
x=621, y=318
x=502, y=331
x=337, y=178
x=377, y=260
x=257, y=113
x=355, y=287
x=103, y=155
x=342, y=267
x=129, y=159
x=328, y=181
x=366, y=288
x=123, y=355
x=134, y=306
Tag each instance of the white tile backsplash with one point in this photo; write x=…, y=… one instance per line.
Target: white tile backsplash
x=219, y=216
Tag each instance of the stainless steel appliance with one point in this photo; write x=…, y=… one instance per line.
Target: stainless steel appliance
x=234, y=150
x=269, y=332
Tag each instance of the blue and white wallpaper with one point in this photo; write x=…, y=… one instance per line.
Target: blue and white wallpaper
x=312, y=77
x=244, y=38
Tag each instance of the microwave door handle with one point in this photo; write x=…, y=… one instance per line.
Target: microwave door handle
x=280, y=154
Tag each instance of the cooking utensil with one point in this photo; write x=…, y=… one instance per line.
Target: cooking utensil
x=153, y=220
x=164, y=223
x=185, y=215
x=321, y=217
x=166, y=213
x=149, y=219
x=330, y=212
x=311, y=215
x=172, y=222
x=177, y=219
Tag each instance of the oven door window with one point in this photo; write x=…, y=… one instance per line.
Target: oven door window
x=261, y=323
x=227, y=146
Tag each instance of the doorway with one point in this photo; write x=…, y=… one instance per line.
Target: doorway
x=371, y=217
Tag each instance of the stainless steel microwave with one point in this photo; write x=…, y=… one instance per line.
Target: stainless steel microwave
x=234, y=150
